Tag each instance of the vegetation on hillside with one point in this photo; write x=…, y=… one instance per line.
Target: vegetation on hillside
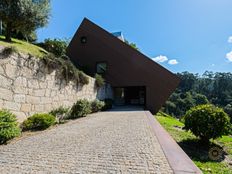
x=215, y=88
x=56, y=46
x=99, y=80
x=24, y=47
x=198, y=153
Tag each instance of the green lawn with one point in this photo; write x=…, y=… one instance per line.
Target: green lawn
x=195, y=151
x=24, y=47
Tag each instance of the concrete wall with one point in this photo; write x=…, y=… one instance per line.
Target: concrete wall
x=26, y=87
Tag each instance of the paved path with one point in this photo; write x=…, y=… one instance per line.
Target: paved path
x=107, y=142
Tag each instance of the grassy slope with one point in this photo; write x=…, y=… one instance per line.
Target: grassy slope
x=24, y=47
x=198, y=154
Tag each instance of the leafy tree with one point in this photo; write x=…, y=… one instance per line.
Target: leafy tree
x=23, y=15
x=200, y=99
x=56, y=46
x=215, y=88
x=188, y=81
x=204, y=84
x=29, y=36
x=228, y=110
x=170, y=107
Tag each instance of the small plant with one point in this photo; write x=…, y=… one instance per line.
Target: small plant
x=97, y=105
x=65, y=69
x=84, y=79
x=8, y=126
x=7, y=51
x=39, y=122
x=99, y=80
x=108, y=104
x=80, y=109
x=60, y=113
x=207, y=122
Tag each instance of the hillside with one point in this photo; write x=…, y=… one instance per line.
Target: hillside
x=24, y=47
x=195, y=151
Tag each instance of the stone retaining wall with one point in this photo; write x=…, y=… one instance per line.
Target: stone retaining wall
x=27, y=88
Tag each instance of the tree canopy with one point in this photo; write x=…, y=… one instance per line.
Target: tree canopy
x=24, y=15
x=215, y=88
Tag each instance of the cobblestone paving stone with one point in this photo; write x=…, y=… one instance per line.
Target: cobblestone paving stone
x=107, y=142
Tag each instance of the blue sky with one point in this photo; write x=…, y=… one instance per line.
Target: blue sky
x=183, y=35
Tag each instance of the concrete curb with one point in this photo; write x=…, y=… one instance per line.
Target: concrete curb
x=178, y=160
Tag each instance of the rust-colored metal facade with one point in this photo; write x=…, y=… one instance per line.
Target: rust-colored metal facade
x=126, y=67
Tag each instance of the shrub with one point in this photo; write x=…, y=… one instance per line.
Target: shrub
x=80, y=109
x=97, y=105
x=60, y=113
x=7, y=51
x=108, y=104
x=84, y=79
x=200, y=99
x=99, y=80
x=65, y=69
x=207, y=121
x=39, y=122
x=8, y=126
x=55, y=46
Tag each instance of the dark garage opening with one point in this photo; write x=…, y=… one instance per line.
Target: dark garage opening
x=133, y=95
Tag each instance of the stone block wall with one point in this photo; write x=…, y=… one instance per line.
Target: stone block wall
x=27, y=88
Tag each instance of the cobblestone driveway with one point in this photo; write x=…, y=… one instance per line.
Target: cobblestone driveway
x=107, y=142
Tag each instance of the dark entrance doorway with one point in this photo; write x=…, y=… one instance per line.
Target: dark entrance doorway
x=133, y=95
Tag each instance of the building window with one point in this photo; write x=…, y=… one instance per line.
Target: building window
x=83, y=39
x=101, y=67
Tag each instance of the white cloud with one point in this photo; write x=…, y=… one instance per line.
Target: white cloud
x=173, y=62
x=230, y=39
x=229, y=56
x=160, y=59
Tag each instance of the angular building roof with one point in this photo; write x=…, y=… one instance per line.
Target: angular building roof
x=126, y=67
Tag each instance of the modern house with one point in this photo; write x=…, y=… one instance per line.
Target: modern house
x=134, y=78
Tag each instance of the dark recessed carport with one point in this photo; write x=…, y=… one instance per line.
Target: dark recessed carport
x=130, y=95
